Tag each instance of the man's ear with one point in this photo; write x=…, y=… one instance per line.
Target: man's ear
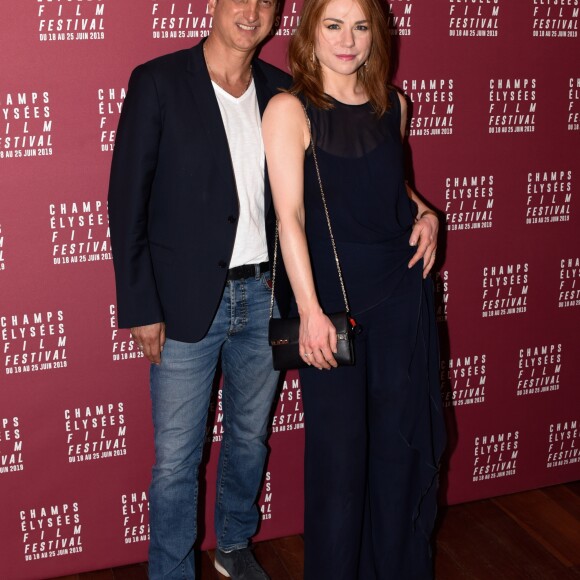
x=211, y=6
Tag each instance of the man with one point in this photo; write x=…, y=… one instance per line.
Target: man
x=187, y=206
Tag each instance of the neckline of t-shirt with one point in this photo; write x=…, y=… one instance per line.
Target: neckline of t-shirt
x=221, y=91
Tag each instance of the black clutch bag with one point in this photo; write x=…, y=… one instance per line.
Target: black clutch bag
x=283, y=332
x=283, y=336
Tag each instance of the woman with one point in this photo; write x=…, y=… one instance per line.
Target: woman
x=374, y=431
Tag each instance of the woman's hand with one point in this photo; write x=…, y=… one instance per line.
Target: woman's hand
x=424, y=236
x=286, y=137
x=317, y=340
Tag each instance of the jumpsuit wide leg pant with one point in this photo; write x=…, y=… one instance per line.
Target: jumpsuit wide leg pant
x=371, y=462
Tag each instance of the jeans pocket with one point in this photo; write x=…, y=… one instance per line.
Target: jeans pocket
x=266, y=280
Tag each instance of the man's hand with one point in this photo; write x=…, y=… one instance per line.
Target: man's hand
x=150, y=339
x=424, y=236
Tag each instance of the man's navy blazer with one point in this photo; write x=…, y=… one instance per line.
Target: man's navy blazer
x=173, y=204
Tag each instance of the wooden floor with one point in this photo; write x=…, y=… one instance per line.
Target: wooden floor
x=533, y=535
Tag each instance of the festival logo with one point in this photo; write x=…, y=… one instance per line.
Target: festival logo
x=512, y=105
x=95, y=432
x=72, y=20
x=287, y=21
x=563, y=444
x=463, y=380
x=556, y=19
x=33, y=342
x=265, y=502
x=469, y=202
x=569, y=293
x=495, y=456
x=574, y=104
x=110, y=103
x=289, y=415
x=51, y=531
x=79, y=232
x=216, y=410
x=135, y=512
x=433, y=106
x=2, y=262
x=123, y=346
x=10, y=445
x=539, y=369
x=180, y=20
x=399, y=14
x=26, y=129
x=474, y=18
x=441, y=294
x=548, y=196
x=505, y=290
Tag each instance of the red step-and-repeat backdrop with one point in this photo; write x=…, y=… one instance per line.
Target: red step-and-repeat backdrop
x=494, y=141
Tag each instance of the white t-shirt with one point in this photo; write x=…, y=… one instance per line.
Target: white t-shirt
x=242, y=121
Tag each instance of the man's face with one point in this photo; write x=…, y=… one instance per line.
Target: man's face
x=242, y=24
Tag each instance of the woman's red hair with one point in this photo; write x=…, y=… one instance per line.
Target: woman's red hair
x=307, y=73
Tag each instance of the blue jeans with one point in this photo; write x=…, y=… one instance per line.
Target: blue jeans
x=180, y=393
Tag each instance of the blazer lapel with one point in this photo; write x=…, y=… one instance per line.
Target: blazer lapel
x=211, y=119
x=264, y=93
x=263, y=90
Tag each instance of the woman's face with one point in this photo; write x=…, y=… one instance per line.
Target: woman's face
x=343, y=38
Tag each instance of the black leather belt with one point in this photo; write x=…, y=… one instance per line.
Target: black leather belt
x=248, y=271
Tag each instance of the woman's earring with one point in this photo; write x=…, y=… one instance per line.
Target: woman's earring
x=313, y=56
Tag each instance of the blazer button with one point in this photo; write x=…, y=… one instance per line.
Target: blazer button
x=232, y=219
x=222, y=264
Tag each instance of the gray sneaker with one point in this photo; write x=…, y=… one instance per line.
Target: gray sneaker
x=239, y=565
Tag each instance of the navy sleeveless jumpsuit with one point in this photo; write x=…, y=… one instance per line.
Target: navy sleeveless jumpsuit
x=374, y=432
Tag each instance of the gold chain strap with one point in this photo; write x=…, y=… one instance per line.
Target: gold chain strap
x=274, y=271
x=338, y=268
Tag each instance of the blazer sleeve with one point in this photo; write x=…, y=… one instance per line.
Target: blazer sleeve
x=132, y=172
